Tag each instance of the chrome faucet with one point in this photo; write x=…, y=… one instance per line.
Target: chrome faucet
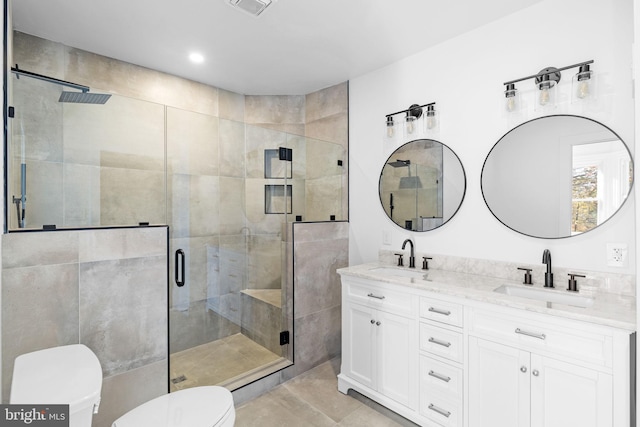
x=548, y=276
x=412, y=257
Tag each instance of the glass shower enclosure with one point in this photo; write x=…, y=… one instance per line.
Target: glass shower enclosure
x=228, y=190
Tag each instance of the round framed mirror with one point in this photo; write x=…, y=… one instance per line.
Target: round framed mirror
x=557, y=176
x=422, y=185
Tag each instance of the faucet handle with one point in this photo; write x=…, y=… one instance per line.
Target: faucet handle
x=400, y=263
x=425, y=262
x=573, y=283
x=527, y=275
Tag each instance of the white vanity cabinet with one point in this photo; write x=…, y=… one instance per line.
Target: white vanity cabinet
x=541, y=371
x=443, y=356
x=379, y=342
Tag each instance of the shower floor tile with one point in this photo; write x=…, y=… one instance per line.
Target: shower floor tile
x=218, y=362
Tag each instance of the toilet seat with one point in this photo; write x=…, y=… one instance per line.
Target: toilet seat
x=210, y=406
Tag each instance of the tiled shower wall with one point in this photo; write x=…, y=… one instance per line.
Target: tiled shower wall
x=106, y=289
x=215, y=141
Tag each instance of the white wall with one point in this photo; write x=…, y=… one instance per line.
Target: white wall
x=465, y=77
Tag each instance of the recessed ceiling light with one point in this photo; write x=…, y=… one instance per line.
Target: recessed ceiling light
x=196, y=57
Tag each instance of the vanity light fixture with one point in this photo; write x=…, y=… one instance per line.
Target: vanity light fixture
x=412, y=125
x=546, y=81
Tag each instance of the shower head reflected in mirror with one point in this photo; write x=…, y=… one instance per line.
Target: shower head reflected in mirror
x=399, y=163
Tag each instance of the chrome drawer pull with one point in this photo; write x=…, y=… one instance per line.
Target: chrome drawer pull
x=439, y=411
x=435, y=310
x=531, y=334
x=440, y=376
x=375, y=296
x=437, y=341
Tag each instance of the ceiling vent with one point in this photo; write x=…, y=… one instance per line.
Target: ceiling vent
x=252, y=7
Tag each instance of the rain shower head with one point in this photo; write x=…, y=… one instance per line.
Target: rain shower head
x=84, y=97
x=399, y=163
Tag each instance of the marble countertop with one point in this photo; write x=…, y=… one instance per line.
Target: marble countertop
x=608, y=309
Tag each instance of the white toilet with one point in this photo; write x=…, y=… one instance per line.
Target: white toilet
x=210, y=406
x=60, y=375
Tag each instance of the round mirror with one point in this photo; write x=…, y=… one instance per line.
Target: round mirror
x=557, y=176
x=422, y=185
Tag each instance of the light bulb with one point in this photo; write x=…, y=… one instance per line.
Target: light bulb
x=583, y=89
x=511, y=103
x=431, y=122
x=410, y=124
x=544, y=96
x=545, y=92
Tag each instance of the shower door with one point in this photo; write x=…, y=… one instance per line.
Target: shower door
x=227, y=240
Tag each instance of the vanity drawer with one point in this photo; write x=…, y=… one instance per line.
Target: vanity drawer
x=441, y=311
x=442, y=342
x=440, y=377
x=381, y=298
x=442, y=408
x=544, y=334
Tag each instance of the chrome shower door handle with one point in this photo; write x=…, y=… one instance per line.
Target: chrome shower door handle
x=178, y=267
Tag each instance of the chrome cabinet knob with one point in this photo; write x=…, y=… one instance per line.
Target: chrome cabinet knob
x=373, y=322
x=535, y=373
x=377, y=323
x=523, y=369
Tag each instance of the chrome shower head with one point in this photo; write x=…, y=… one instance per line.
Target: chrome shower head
x=84, y=97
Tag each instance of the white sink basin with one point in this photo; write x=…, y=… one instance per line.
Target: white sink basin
x=397, y=272
x=547, y=295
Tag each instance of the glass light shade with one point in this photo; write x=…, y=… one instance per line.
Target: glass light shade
x=430, y=119
x=512, y=98
x=390, y=129
x=583, y=87
x=410, y=126
x=546, y=95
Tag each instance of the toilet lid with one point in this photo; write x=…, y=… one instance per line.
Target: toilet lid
x=193, y=407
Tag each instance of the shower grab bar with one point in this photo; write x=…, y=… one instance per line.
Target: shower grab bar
x=179, y=267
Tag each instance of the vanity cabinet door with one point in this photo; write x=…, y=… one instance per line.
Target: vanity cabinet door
x=499, y=385
x=563, y=394
x=358, y=340
x=380, y=352
x=397, y=358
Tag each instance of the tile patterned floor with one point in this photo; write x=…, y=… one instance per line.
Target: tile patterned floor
x=218, y=362
x=312, y=399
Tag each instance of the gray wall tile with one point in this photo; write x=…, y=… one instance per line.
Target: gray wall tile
x=123, y=312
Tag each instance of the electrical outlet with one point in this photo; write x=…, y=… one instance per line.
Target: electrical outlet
x=386, y=237
x=617, y=254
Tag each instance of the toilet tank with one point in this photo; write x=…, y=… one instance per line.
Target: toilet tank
x=60, y=375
